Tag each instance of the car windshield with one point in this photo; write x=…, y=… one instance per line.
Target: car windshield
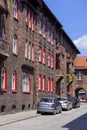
x=46, y=100
x=62, y=99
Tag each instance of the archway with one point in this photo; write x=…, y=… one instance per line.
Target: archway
x=79, y=90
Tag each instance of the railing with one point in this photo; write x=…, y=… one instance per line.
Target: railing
x=70, y=77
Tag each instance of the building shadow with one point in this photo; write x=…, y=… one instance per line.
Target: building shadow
x=77, y=124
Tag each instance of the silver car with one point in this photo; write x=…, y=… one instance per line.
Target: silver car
x=65, y=102
x=49, y=105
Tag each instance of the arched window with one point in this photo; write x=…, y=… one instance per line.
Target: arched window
x=3, y=79
x=14, y=81
x=15, y=44
x=26, y=84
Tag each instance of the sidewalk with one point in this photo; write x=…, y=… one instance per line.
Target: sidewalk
x=11, y=118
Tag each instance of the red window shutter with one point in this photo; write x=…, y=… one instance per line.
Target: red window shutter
x=52, y=85
x=49, y=85
x=45, y=83
x=49, y=59
x=40, y=82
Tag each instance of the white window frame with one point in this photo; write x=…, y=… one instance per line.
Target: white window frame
x=15, y=45
x=14, y=76
x=15, y=9
x=26, y=84
x=3, y=78
x=79, y=75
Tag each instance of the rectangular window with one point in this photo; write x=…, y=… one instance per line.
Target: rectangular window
x=79, y=75
x=52, y=85
x=40, y=82
x=3, y=79
x=40, y=54
x=40, y=26
x=32, y=53
x=14, y=81
x=44, y=56
x=44, y=83
x=15, y=45
x=49, y=60
x=26, y=84
x=29, y=51
x=15, y=9
x=44, y=30
x=52, y=61
x=49, y=85
x=26, y=49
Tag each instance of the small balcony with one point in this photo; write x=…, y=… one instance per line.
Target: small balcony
x=70, y=78
x=3, y=49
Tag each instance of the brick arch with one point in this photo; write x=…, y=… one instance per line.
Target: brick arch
x=78, y=89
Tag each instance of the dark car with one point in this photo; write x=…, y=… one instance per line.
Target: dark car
x=75, y=102
x=49, y=105
x=84, y=98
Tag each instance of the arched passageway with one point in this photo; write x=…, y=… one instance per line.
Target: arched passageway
x=80, y=90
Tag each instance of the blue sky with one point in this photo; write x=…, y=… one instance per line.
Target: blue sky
x=72, y=14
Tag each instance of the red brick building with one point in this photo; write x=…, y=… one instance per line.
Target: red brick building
x=29, y=35
x=66, y=52
x=81, y=73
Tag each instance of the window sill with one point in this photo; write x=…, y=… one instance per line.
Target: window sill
x=3, y=89
x=26, y=92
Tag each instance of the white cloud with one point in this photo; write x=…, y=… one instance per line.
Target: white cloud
x=81, y=44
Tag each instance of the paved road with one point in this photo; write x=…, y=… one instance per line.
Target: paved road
x=75, y=119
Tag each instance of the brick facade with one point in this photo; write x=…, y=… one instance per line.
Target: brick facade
x=28, y=39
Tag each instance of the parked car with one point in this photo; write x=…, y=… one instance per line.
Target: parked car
x=66, y=104
x=84, y=98
x=75, y=101
x=49, y=105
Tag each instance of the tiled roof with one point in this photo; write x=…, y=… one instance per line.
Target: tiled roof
x=80, y=62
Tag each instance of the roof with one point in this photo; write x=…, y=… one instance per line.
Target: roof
x=71, y=42
x=80, y=62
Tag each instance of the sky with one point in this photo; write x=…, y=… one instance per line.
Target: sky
x=72, y=14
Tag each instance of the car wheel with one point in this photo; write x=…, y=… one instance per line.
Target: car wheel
x=54, y=113
x=38, y=112
x=68, y=108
